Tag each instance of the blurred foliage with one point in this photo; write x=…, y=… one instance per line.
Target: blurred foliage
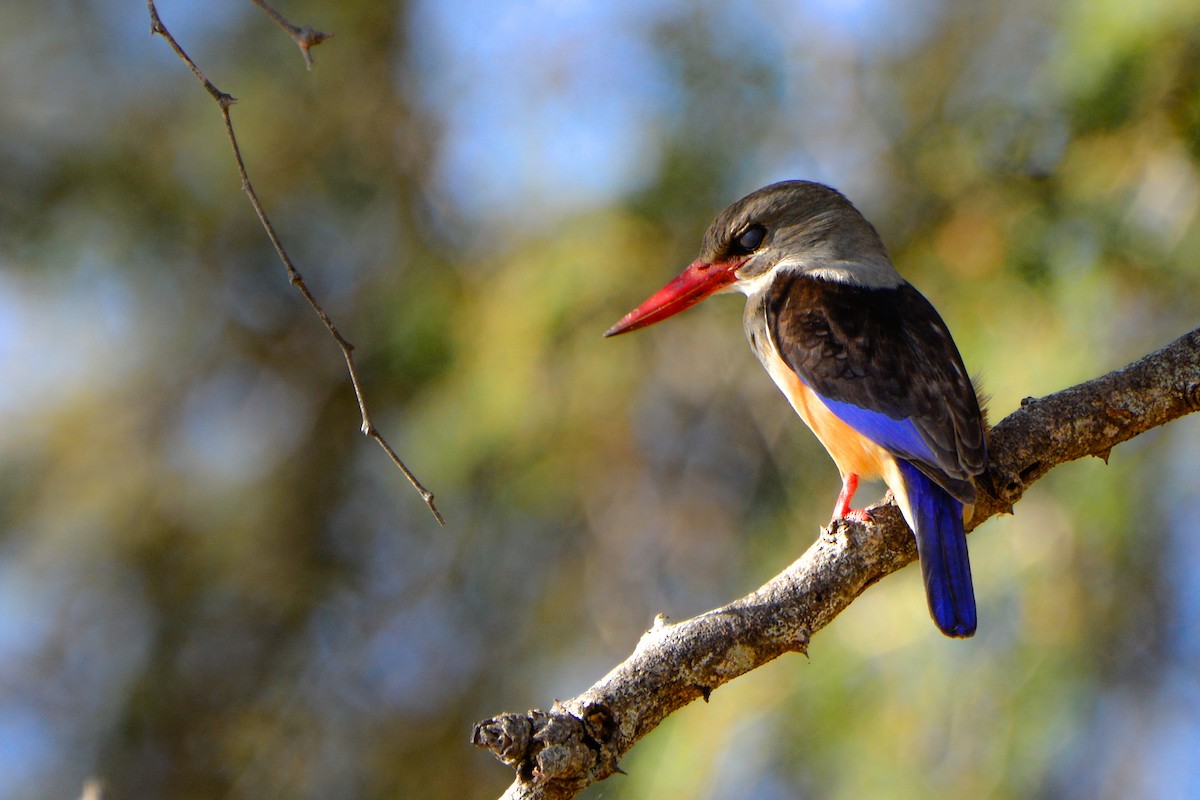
x=212, y=586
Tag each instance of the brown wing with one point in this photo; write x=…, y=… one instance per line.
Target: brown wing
x=885, y=363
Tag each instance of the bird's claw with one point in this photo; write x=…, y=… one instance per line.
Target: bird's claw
x=856, y=514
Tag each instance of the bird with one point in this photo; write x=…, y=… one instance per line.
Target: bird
x=864, y=359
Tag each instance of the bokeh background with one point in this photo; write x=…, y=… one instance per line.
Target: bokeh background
x=212, y=586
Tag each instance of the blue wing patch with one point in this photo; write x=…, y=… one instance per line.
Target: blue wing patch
x=899, y=437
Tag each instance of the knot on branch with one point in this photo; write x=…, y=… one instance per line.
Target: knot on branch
x=552, y=745
x=1191, y=395
x=507, y=736
x=559, y=750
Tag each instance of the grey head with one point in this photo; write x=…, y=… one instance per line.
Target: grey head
x=803, y=227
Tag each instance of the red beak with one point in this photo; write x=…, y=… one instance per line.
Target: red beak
x=691, y=286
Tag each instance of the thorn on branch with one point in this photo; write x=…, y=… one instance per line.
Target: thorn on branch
x=310, y=38
x=305, y=38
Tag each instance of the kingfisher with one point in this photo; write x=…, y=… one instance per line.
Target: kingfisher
x=862, y=357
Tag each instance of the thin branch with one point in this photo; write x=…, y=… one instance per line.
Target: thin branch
x=559, y=752
x=306, y=38
x=225, y=101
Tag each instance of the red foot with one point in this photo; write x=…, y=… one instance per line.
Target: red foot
x=842, y=509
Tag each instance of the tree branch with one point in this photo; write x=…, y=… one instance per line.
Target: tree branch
x=225, y=102
x=578, y=742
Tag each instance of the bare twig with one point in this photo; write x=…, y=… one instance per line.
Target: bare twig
x=225, y=101
x=306, y=38
x=578, y=742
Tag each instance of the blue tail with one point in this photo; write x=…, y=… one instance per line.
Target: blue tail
x=942, y=547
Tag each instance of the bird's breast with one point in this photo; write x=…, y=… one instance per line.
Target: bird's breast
x=851, y=451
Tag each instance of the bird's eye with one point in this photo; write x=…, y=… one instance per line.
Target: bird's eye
x=750, y=239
